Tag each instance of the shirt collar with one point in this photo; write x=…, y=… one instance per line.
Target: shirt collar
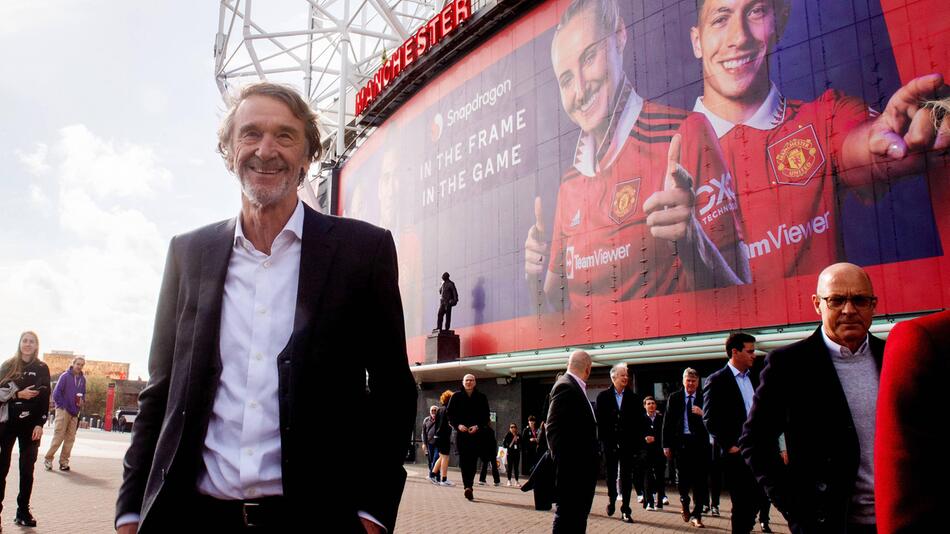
x=294, y=226
x=579, y=381
x=588, y=158
x=769, y=115
x=836, y=349
x=736, y=372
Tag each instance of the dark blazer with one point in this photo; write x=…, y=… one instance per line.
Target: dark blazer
x=910, y=460
x=347, y=281
x=572, y=437
x=724, y=411
x=653, y=428
x=469, y=410
x=623, y=427
x=673, y=420
x=800, y=394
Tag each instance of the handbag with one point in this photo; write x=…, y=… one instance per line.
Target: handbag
x=6, y=393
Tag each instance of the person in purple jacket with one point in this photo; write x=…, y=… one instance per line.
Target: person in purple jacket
x=69, y=395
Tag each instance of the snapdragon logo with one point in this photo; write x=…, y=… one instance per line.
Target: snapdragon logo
x=482, y=100
x=598, y=258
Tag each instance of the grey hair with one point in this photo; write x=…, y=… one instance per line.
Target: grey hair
x=615, y=368
x=690, y=372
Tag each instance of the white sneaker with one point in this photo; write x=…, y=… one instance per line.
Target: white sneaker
x=435, y=481
x=509, y=484
x=48, y=464
x=446, y=483
x=666, y=500
x=639, y=498
x=651, y=508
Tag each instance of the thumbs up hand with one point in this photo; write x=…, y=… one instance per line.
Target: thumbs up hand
x=536, y=245
x=670, y=211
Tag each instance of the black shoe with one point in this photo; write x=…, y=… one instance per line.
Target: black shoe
x=714, y=511
x=625, y=517
x=611, y=508
x=24, y=518
x=63, y=467
x=469, y=495
x=685, y=513
x=766, y=528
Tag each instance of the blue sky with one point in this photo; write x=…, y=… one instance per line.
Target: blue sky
x=107, y=138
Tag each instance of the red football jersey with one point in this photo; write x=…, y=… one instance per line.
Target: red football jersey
x=601, y=245
x=785, y=180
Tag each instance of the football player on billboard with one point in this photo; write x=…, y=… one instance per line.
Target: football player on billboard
x=790, y=159
x=647, y=208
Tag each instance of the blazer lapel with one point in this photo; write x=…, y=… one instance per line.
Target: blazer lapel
x=316, y=259
x=215, y=256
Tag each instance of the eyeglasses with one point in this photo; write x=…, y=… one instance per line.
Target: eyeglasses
x=861, y=302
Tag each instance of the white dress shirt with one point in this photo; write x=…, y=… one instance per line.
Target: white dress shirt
x=745, y=386
x=242, y=447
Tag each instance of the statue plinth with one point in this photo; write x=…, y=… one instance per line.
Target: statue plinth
x=442, y=346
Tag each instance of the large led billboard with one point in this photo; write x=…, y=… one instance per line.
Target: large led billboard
x=626, y=169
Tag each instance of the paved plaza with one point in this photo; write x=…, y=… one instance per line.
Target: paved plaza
x=83, y=500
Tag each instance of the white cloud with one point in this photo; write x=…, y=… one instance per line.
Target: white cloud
x=35, y=162
x=106, y=168
x=95, y=295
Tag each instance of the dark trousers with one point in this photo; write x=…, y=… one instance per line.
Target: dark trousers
x=11, y=432
x=446, y=311
x=716, y=472
x=638, y=470
x=432, y=454
x=513, y=464
x=744, y=492
x=654, y=478
x=530, y=458
x=494, y=470
x=468, y=463
x=619, y=463
x=573, y=507
x=692, y=465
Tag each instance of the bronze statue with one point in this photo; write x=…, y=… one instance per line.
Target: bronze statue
x=449, y=297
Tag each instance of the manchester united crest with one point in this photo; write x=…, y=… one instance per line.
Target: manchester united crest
x=625, y=198
x=797, y=157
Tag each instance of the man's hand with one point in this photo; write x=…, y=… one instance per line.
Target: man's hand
x=668, y=453
x=905, y=126
x=670, y=211
x=27, y=393
x=371, y=528
x=733, y=450
x=37, y=433
x=463, y=428
x=473, y=429
x=536, y=245
x=697, y=411
x=424, y=449
x=784, y=455
x=650, y=439
x=132, y=528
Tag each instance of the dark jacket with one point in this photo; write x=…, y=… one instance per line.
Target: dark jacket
x=30, y=412
x=572, y=437
x=620, y=429
x=814, y=490
x=512, y=442
x=469, y=410
x=347, y=280
x=724, y=412
x=428, y=429
x=653, y=428
x=448, y=294
x=673, y=420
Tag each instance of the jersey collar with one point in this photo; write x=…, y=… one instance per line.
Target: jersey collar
x=588, y=158
x=769, y=115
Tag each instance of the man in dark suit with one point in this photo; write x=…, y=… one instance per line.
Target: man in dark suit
x=620, y=429
x=654, y=483
x=572, y=438
x=469, y=415
x=685, y=436
x=259, y=325
x=728, y=394
x=828, y=485
x=910, y=484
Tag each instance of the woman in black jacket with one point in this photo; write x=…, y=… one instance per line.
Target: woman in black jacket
x=28, y=411
x=512, y=442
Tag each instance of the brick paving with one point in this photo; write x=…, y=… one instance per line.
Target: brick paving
x=83, y=501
